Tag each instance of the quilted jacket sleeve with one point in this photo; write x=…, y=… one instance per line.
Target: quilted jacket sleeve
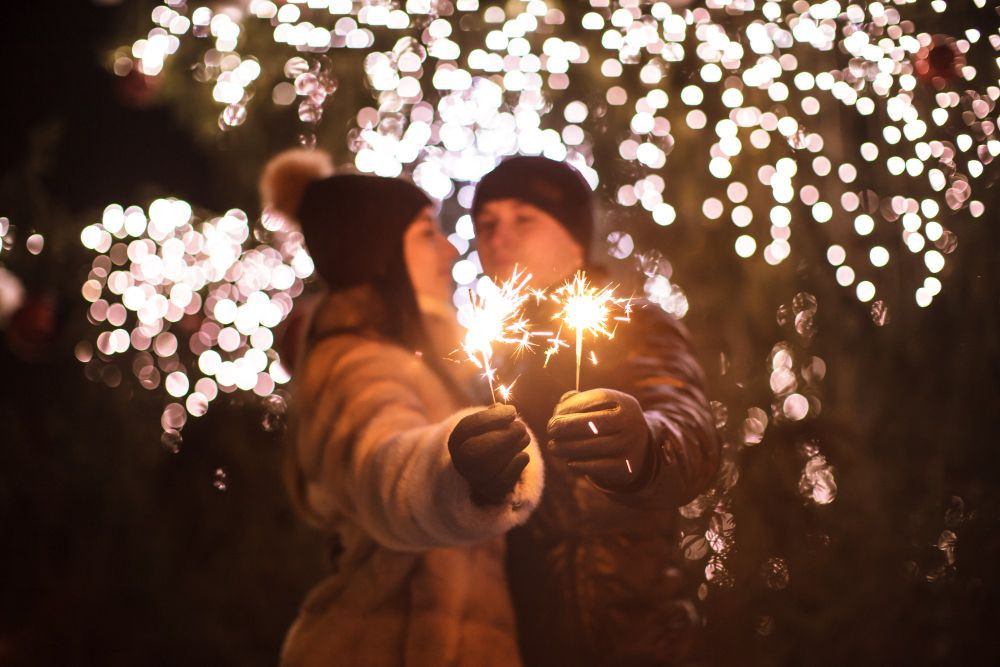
x=664, y=376
x=370, y=454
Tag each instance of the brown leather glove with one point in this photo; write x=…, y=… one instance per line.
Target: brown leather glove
x=486, y=448
x=601, y=433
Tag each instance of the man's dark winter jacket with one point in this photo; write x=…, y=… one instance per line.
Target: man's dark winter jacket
x=594, y=575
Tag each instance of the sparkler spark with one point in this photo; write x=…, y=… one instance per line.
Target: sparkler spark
x=587, y=309
x=506, y=390
x=496, y=317
x=555, y=344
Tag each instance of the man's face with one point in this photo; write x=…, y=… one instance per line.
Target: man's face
x=511, y=233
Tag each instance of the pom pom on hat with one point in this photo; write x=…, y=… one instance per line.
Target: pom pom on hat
x=353, y=224
x=287, y=175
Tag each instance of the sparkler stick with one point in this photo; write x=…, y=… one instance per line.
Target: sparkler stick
x=587, y=309
x=488, y=373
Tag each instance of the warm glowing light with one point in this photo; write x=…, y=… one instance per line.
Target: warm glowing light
x=588, y=310
x=179, y=265
x=495, y=316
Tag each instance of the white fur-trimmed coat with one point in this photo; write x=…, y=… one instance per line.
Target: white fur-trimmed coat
x=421, y=578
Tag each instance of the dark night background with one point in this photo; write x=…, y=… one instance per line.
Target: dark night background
x=116, y=552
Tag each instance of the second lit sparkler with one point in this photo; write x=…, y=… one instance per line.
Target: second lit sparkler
x=587, y=310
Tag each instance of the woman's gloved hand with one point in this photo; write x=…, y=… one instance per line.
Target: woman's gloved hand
x=486, y=448
x=601, y=433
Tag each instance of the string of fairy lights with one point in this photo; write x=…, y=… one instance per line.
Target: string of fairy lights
x=466, y=83
x=453, y=95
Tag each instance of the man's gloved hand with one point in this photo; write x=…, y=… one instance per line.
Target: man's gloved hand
x=601, y=433
x=486, y=448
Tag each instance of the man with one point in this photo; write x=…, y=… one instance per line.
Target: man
x=593, y=573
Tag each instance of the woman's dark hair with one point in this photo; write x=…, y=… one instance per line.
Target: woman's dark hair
x=403, y=322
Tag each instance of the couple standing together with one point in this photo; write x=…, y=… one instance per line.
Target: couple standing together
x=471, y=535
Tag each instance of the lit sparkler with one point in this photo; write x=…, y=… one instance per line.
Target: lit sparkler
x=587, y=309
x=496, y=317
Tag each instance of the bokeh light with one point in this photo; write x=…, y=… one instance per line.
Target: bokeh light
x=200, y=293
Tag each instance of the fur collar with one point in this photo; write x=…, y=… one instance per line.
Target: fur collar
x=357, y=308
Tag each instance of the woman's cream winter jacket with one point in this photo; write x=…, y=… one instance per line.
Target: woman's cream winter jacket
x=421, y=577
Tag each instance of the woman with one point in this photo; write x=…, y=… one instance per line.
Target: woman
x=416, y=492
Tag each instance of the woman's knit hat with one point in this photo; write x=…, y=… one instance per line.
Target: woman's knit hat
x=353, y=224
x=555, y=187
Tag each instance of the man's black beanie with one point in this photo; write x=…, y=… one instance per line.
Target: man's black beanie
x=354, y=223
x=555, y=187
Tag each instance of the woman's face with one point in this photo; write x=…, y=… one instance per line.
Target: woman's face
x=429, y=257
